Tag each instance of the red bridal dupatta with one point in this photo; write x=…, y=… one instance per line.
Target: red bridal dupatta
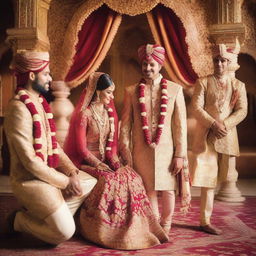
x=74, y=147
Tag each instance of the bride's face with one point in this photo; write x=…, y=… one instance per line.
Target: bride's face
x=107, y=95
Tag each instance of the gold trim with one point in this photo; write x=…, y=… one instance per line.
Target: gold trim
x=108, y=36
x=71, y=36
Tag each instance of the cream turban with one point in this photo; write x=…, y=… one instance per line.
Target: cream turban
x=150, y=51
x=224, y=52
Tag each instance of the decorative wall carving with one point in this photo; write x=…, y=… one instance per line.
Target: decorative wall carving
x=59, y=16
x=229, y=26
x=229, y=11
x=30, y=31
x=249, y=20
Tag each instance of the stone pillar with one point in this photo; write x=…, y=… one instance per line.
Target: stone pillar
x=62, y=108
x=229, y=30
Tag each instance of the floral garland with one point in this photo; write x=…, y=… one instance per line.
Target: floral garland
x=110, y=141
x=53, y=156
x=143, y=112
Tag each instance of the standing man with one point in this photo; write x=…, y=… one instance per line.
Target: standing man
x=219, y=104
x=154, y=124
x=40, y=171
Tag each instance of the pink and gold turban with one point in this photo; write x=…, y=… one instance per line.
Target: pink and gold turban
x=28, y=61
x=150, y=51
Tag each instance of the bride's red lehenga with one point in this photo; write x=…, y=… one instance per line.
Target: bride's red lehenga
x=117, y=213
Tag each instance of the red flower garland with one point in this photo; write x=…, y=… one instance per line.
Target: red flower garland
x=143, y=113
x=53, y=156
x=110, y=142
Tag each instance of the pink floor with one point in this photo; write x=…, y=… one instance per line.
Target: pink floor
x=238, y=222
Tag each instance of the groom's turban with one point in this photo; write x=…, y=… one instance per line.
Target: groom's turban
x=28, y=61
x=150, y=51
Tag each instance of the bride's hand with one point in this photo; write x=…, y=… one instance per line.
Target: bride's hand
x=103, y=167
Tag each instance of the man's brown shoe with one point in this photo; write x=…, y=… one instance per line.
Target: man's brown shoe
x=211, y=229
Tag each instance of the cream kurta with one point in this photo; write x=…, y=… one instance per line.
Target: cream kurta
x=206, y=109
x=153, y=164
x=35, y=185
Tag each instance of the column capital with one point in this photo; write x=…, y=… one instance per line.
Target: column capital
x=227, y=33
x=30, y=31
x=229, y=26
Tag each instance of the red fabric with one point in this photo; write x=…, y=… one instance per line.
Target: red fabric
x=72, y=143
x=117, y=213
x=52, y=160
x=89, y=41
x=80, y=139
x=176, y=34
x=75, y=145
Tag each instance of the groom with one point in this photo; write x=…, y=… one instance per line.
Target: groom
x=154, y=123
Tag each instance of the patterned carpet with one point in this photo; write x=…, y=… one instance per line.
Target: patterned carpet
x=238, y=222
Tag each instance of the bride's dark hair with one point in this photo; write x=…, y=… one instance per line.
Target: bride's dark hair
x=103, y=82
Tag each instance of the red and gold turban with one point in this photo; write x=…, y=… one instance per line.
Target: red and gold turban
x=150, y=51
x=28, y=61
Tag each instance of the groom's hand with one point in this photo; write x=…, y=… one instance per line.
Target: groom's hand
x=176, y=165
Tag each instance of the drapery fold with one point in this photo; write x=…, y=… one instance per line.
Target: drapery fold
x=94, y=41
x=169, y=32
x=98, y=31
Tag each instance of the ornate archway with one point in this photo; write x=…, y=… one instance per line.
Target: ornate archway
x=63, y=42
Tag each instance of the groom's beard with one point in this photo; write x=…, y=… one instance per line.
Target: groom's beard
x=39, y=87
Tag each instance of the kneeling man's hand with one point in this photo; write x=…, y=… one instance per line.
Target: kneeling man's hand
x=74, y=187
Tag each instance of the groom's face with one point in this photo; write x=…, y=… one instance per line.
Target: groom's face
x=150, y=69
x=42, y=79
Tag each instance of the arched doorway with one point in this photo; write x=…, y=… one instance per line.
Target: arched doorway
x=121, y=62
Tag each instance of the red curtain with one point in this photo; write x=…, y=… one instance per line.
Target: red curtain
x=94, y=40
x=99, y=29
x=169, y=32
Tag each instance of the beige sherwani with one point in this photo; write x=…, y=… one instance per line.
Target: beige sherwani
x=207, y=109
x=36, y=186
x=153, y=164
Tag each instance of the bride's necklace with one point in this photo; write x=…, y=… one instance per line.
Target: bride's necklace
x=99, y=117
x=106, y=144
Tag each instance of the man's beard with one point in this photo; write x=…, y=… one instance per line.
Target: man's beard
x=38, y=87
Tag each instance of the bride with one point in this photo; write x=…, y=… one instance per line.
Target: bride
x=117, y=213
